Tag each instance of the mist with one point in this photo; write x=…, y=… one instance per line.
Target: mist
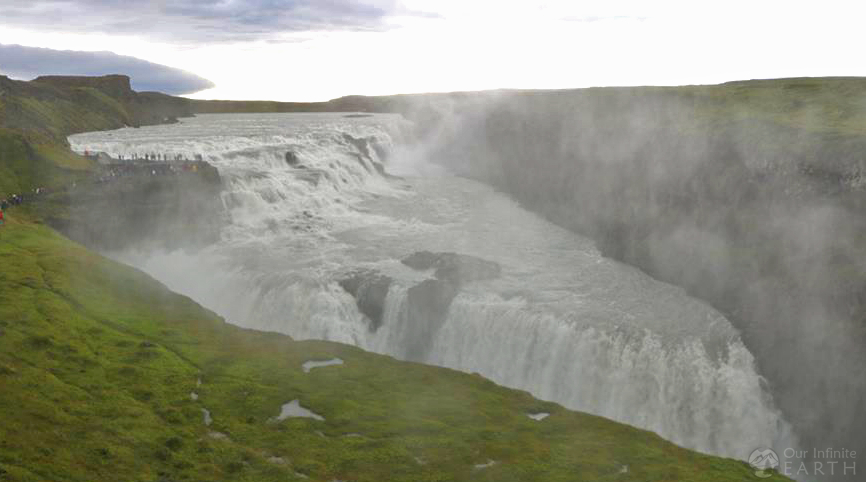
x=762, y=220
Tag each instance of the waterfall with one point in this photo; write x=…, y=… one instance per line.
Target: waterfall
x=561, y=321
x=712, y=402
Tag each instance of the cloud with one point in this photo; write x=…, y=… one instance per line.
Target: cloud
x=593, y=18
x=196, y=21
x=29, y=62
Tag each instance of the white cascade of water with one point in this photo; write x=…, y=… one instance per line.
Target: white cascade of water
x=712, y=401
x=582, y=331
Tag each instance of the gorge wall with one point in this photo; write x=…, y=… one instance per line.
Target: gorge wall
x=749, y=196
x=146, y=205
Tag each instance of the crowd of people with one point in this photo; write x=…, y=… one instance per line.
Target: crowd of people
x=125, y=167
x=148, y=157
x=17, y=200
x=149, y=164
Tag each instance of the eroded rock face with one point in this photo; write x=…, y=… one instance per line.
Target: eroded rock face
x=422, y=315
x=146, y=204
x=452, y=267
x=427, y=305
x=369, y=288
x=364, y=154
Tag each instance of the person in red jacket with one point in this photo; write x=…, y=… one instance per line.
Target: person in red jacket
x=1, y=217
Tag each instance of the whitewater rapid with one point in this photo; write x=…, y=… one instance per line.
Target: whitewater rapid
x=561, y=321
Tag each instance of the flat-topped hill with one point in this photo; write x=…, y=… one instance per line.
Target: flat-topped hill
x=113, y=85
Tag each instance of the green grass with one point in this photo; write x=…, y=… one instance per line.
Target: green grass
x=97, y=363
x=56, y=116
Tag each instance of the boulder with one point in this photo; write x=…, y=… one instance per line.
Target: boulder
x=292, y=158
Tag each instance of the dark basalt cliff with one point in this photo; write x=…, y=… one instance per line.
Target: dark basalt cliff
x=148, y=204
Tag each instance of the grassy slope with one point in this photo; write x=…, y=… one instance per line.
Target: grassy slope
x=54, y=112
x=821, y=104
x=97, y=362
x=26, y=163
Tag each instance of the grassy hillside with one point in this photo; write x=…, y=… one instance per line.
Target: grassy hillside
x=27, y=162
x=54, y=110
x=98, y=363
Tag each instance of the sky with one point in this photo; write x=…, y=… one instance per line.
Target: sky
x=312, y=50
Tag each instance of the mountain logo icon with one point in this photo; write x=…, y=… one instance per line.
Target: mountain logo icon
x=763, y=460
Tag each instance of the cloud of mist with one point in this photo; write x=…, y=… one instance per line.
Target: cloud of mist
x=764, y=221
x=26, y=63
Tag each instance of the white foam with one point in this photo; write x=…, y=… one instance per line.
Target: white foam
x=309, y=365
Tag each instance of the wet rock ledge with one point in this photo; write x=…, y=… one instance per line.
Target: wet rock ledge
x=130, y=204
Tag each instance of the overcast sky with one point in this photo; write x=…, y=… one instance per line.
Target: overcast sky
x=321, y=49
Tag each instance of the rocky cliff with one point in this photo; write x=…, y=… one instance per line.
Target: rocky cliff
x=146, y=204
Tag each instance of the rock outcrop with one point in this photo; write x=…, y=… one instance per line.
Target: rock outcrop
x=427, y=303
x=426, y=310
x=369, y=289
x=150, y=206
x=292, y=158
